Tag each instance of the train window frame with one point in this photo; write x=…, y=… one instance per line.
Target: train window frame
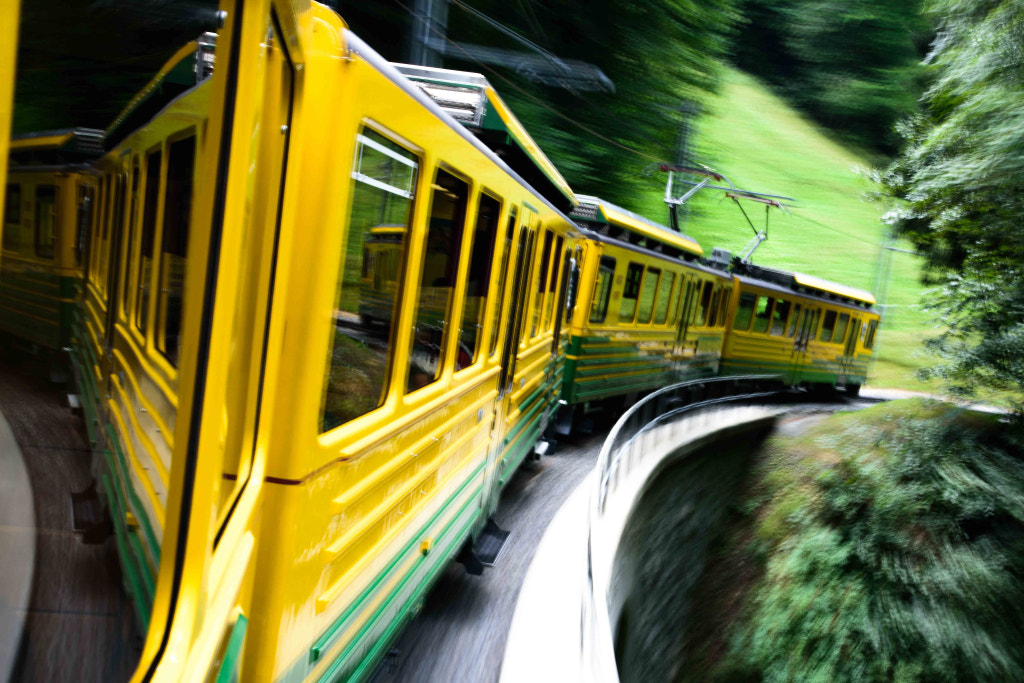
x=83, y=223
x=449, y=278
x=828, y=323
x=661, y=314
x=154, y=159
x=502, y=277
x=12, y=217
x=702, y=303
x=743, y=309
x=673, y=299
x=842, y=327
x=724, y=306
x=161, y=338
x=554, y=282
x=869, y=341
x=478, y=260
x=794, y=319
x=387, y=377
x=130, y=239
x=631, y=291
x=653, y=291
x=540, y=292
x=764, y=314
x=713, y=307
x=602, y=289
x=47, y=250
x=780, y=316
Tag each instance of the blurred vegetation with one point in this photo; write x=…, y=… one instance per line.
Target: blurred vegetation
x=957, y=182
x=883, y=545
x=81, y=61
x=854, y=65
x=662, y=55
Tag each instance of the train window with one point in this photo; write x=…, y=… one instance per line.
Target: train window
x=602, y=290
x=146, y=242
x=840, y=334
x=870, y=340
x=673, y=299
x=794, y=320
x=713, y=307
x=744, y=312
x=383, y=189
x=181, y=157
x=46, y=220
x=503, y=276
x=552, y=283
x=12, y=203
x=437, y=280
x=648, y=290
x=131, y=229
x=630, y=292
x=481, y=249
x=94, y=233
x=762, y=314
x=724, y=304
x=86, y=199
x=12, y=216
x=828, y=326
x=666, y=288
x=542, y=281
x=703, y=304
x=779, y=317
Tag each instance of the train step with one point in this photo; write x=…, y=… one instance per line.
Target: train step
x=88, y=517
x=486, y=550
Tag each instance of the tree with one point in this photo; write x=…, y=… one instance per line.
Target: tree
x=852, y=64
x=960, y=174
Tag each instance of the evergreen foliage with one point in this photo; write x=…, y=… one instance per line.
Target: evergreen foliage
x=660, y=54
x=960, y=173
x=892, y=542
x=852, y=64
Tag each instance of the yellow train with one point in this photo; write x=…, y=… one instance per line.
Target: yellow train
x=330, y=305
x=49, y=194
x=321, y=327
x=649, y=314
x=810, y=331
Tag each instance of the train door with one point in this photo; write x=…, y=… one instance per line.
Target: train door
x=232, y=335
x=807, y=325
x=684, y=314
x=846, y=362
x=119, y=182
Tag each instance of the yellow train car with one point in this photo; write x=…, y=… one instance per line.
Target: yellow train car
x=291, y=452
x=811, y=331
x=649, y=313
x=49, y=195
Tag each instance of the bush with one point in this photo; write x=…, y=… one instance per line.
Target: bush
x=902, y=564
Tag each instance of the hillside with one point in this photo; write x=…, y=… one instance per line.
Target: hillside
x=762, y=144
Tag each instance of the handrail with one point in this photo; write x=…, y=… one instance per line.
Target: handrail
x=656, y=409
x=668, y=402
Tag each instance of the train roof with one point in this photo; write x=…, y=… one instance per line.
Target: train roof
x=55, y=148
x=606, y=218
x=809, y=284
x=470, y=99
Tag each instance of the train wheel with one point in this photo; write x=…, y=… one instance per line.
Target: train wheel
x=852, y=390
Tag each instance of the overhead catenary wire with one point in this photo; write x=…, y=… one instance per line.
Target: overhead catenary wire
x=529, y=95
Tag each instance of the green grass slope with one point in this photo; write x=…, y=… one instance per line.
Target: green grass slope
x=762, y=144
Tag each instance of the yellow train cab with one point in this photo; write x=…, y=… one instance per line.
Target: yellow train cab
x=649, y=313
x=321, y=329
x=49, y=200
x=809, y=330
